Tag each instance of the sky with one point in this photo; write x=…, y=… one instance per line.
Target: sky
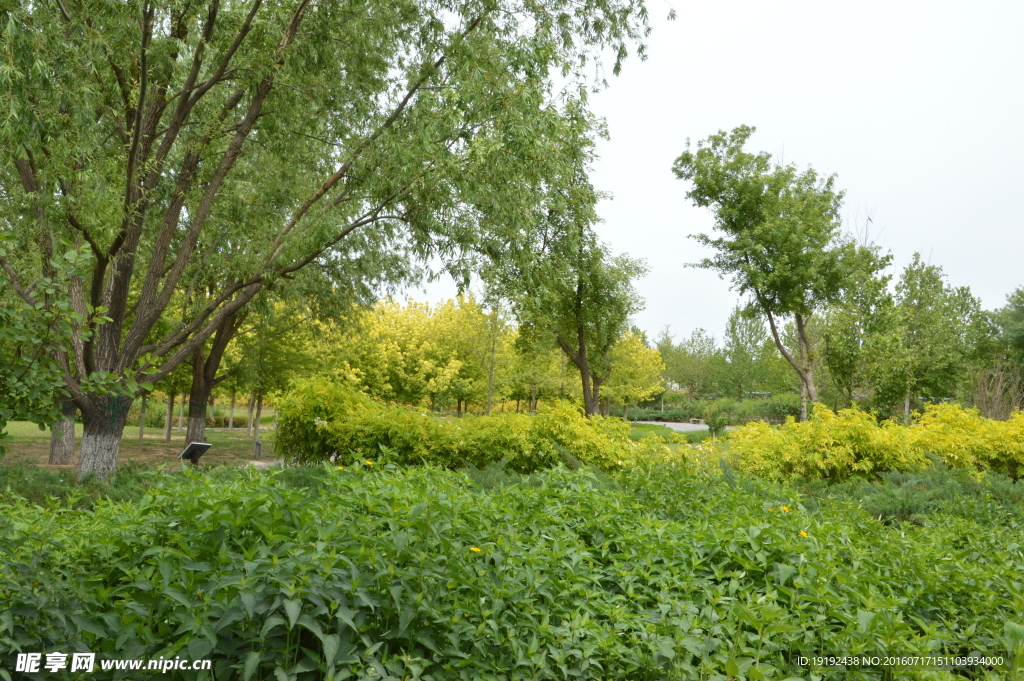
x=917, y=107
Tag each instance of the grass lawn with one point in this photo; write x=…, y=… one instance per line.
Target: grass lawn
x=28, y=444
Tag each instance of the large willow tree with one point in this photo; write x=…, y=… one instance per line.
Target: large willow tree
x=162, y=136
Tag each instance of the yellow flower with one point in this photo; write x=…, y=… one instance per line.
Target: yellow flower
x=802, y=533
x=369, y=463
x=785, y=509
x=474, y=549
x=770, y=510
x=341, y=468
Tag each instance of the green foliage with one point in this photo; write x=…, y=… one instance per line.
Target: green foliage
x=319, y=420
x=927, y=495
x=925, y=348
x=58, y=488
x=37, y=323
x=564, y=286
x=780, y=238
x=420, y=573
x=1011, y=324
x=717, y=416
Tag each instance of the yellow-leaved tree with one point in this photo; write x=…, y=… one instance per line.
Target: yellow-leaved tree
x=443, y=356
x=636, y=371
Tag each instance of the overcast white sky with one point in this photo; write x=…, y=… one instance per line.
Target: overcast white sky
x=918, y=107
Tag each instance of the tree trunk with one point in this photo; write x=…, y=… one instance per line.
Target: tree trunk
x=196, y=431
x=625, y=413
x=62, y=437
x=142, y=419
x=231, y=412
x=803, y=400
x=204, y=377
x=906, y=408
x=533, y=399
x=248, y=423
x=169, y=416
x=490, y=366
x=181, y=411
x=663, y=403
x=259, y=413
x=102, y=426
x=804, y=366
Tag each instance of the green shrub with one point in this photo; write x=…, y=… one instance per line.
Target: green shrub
x=419, y=574
x=921, y=495
x=320, y=421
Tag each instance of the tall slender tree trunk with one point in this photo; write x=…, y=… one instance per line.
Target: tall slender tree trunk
x=102, y=425
x=906, y=408
x=62, y=436
x=259, y=414
x=490, y=365
x=142, y=419
x=231, y=412
x=803, y=364
x=169, y=416
x=803, y=400
x=181, y=411
x=248, y=423
x=561, y=376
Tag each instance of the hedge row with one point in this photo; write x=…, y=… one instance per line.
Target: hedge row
x=320, y=421
x=839, y=445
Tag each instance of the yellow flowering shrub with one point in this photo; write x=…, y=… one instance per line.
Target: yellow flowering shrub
x=837, y=445
x=964, y=439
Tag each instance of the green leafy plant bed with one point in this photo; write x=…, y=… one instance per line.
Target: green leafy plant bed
x=374, y=572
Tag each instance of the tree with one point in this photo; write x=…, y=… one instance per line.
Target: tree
x=150, y=131
x=743, y=349
x=694, y=365
x=932, y=340
x=781, y=241
x=635, y=371
x=575, y=293
x=1011, y=326
x=38, y=323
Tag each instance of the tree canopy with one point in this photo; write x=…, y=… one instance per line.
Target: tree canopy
x=781, y=239
x=166, y=138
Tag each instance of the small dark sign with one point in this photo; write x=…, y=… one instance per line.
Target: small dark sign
x=194, y=451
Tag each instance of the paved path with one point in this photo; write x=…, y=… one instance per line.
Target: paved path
x=675, y=426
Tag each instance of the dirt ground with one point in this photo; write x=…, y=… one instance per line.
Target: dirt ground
x=30, y=445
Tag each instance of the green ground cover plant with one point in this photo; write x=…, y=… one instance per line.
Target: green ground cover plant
x=381, y=572
x=919, y=495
